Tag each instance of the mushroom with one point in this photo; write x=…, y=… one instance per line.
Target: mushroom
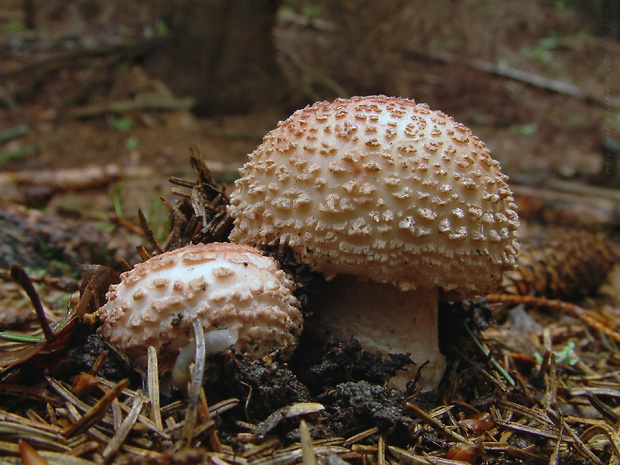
x=400, y=201
x=226, y=286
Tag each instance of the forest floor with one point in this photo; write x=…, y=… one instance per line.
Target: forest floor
x=66, y=153
x=63, y=106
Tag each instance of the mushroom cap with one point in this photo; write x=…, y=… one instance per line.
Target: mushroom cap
x=384, y=189
x=224, y=285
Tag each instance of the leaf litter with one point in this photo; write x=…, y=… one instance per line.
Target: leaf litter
x=533, y=376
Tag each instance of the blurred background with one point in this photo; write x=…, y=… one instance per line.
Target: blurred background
x=111, y=94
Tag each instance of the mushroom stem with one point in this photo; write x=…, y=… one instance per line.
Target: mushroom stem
x=216, y=341
x=387, y=320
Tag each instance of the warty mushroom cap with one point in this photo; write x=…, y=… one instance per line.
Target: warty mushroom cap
x=224, y=285
x=384, y=189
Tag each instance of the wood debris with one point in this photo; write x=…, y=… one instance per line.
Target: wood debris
x=200, y=215
x=36, y=186
x=34, y=239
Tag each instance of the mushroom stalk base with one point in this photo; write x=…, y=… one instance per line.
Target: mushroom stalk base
x=387, y=320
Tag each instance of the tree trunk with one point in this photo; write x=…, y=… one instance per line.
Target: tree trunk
x=222, y=53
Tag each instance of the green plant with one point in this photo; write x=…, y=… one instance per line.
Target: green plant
x=16, y=152
x=10, y=154
x=155, y=213
x=543, y=50
x=158, y=218
x=116, y=196
x=13, y=26
x=566, y=355
x=13, y=337
x=121, y=124
x=161, y=29
x=528, y=129
x=132, y=142
x=564, y=6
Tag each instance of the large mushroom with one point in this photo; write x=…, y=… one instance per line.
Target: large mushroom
x=387, y=191
x=225, y=286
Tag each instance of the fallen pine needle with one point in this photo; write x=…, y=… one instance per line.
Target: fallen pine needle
x=126, y=426
x=591, y=319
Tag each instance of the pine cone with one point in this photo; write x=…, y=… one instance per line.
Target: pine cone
x=560, y=263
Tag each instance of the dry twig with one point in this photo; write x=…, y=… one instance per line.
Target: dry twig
x=593, y=320
x=525, y=77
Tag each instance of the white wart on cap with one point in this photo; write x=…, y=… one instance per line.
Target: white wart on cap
x=226, y=286
x=387, y=190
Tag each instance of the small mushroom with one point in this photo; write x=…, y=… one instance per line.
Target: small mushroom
x=225, y=286
x=383, y=190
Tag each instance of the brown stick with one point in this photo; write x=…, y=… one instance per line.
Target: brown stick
x=21, y=277
x=25, y=186
x=525, y=77
x=591, y=319
x=142, y=103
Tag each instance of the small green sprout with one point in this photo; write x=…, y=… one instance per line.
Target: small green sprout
x=121, y=124
x=12, y=26
x=528, y=129
x=132, y=142
x=566, y=355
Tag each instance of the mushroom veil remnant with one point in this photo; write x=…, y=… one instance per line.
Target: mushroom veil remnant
x=384, y=190
x=225, y=286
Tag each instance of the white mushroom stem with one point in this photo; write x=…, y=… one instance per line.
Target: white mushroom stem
x=387, y=320
x=216, y=341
